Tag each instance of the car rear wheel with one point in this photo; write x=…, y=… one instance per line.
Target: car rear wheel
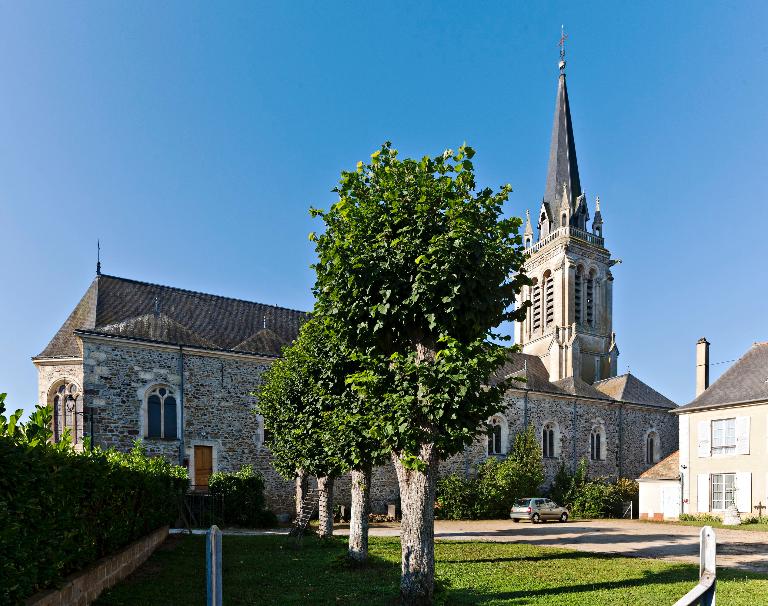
x=515, y=520
x=563, y=517
x=535, y=518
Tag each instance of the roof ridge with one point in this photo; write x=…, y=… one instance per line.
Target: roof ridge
x=626, y=374
x=198, y=292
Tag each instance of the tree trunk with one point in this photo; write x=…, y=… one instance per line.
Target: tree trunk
x=301, y=489
x=325, y=506
x=358, y=520
x=417, y=528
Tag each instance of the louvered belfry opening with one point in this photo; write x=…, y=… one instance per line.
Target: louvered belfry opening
x=591, y=299
x=536, y=304
x=549, y=299
x=577, y=294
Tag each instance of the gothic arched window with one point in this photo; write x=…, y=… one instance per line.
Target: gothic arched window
x=597, y=444
x=497, y=435
x=652, y=447
x=550, y=441
x=67, y=405
x=161, y=413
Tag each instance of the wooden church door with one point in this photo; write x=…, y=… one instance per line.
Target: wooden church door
x=203, y=466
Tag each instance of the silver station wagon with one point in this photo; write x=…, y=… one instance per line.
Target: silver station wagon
x=537, y=510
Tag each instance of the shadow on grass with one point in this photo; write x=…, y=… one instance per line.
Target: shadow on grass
x=467, y=595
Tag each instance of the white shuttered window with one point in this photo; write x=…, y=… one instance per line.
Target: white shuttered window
x=702, y=492
x=742, y=435
x=744, y=492
x=704, y=439
x=724, y=436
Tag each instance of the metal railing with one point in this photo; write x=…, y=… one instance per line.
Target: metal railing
x=704, y=592
x=201, y=509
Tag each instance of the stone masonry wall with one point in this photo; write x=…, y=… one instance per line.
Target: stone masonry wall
x=574, y=418
x=218, y=413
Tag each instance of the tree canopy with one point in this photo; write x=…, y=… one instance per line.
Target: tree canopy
x=297, y=398
x=415, y=270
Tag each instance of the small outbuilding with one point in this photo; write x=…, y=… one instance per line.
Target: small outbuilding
x=661, y=490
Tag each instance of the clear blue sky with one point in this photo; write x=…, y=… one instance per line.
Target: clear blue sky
x=192, y=137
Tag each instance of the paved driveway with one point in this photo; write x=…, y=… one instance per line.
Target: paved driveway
x=743, y=549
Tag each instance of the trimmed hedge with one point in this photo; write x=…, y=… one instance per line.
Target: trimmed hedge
x=243, y=495
x=61, y=510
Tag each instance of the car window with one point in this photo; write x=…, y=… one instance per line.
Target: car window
x=522, y=502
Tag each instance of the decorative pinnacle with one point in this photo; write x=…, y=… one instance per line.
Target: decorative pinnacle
x=561, y=44
x=98, y=257
x=597, y=204
x=528, y=227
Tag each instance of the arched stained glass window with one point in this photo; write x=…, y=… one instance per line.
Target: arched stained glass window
x=161, y=413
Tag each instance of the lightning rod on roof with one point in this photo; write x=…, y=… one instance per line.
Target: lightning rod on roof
x=98, y=257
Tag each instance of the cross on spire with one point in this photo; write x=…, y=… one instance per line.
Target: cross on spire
x=561, y=44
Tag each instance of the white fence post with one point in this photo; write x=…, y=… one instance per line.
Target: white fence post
x=704, y=592
x=707, y=563
x=213, y=566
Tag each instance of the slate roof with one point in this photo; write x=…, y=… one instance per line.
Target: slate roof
x=562, y=167
x=527, y=367
x=745, y=381
x=151, y=312
x=629, y=388
x=666, y=469
x=626, y=388
x=577, y=387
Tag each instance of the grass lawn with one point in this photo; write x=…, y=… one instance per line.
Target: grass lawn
x=266, y=570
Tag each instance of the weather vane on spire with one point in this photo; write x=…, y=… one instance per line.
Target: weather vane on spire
x=561, y=44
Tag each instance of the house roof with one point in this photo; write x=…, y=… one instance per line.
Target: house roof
x=745, y=381
x=629, y=388
x=666, y=469
x=121, y=307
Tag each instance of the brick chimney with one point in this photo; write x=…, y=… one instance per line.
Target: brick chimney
x=702, y=366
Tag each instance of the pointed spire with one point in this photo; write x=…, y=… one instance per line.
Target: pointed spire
x=597, y=222
x=528, y=233
x=562, y=168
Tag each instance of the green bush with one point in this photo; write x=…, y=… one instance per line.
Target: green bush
x=496, y=486
x=590, y=497
x=456, y=498
x=243, y=495
x=61, y=510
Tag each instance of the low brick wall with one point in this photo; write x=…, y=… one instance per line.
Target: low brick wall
x=84, y=587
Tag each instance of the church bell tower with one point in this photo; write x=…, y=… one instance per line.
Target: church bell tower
x=570, y=322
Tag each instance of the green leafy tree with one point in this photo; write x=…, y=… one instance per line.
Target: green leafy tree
x=36, y=431
x=297, y=398
x=416, y=268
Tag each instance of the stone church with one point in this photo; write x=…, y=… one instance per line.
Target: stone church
x=176, y=368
